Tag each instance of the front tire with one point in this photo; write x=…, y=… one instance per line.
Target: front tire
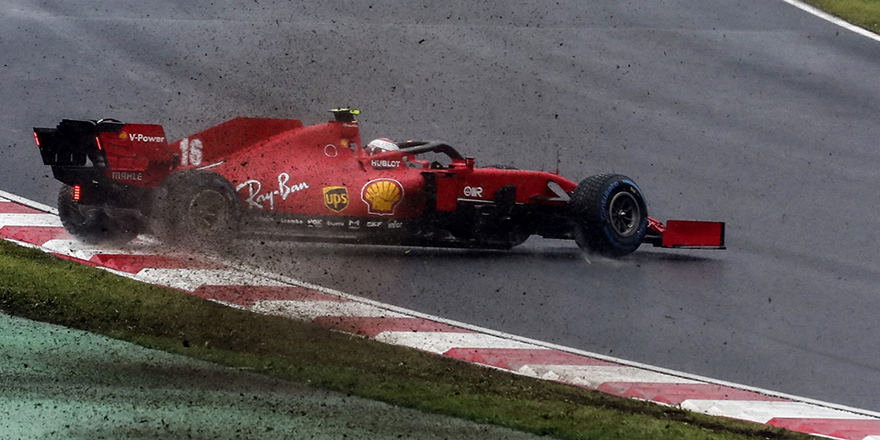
x=611, y=214
x=90, y=224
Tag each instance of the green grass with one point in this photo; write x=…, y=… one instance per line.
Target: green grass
x=45, y=288
x=862, y=13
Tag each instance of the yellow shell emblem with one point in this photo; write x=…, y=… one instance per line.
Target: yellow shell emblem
x=382, y=196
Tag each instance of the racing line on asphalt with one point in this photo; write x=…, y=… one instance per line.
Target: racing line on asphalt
x=32, y=224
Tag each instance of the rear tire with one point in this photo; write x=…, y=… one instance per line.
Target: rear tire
x=611, y=213
x=89, y=224
x=196, y=209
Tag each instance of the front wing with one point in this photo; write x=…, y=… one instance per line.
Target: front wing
x=686, y=234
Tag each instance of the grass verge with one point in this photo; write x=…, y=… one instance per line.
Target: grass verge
x=46, y=288
x=862, y=13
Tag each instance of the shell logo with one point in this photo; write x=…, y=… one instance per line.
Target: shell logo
x=123, y=135
x=382, y=196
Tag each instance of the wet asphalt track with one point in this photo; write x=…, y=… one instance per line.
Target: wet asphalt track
x=750, y=112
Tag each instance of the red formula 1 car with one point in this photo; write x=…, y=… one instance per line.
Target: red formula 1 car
x=279, y=178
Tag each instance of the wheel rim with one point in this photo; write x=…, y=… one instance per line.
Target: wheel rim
x=624, y=214
x=208, y=211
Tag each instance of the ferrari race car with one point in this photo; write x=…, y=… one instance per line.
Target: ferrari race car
x=276, y=178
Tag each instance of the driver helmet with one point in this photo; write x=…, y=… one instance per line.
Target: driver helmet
x=382, y=145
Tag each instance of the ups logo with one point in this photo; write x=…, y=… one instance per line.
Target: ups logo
x=336, y=198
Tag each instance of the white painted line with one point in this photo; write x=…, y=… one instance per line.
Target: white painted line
x=29, y=203
x=309, y=310
x=441, y=342
x=29, y=220
x=593, y=376
x=764, y=411
x=191, y=279
x=828, y=17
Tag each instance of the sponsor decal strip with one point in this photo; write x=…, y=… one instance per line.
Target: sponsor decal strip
x=140, y=137
x=127, y=175
x=28, y=224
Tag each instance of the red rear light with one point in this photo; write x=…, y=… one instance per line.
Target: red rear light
x=77, y=192
x=98, y=142
x=37, y=138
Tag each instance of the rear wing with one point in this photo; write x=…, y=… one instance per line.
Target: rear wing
x=136, y=154
x=73, y=143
